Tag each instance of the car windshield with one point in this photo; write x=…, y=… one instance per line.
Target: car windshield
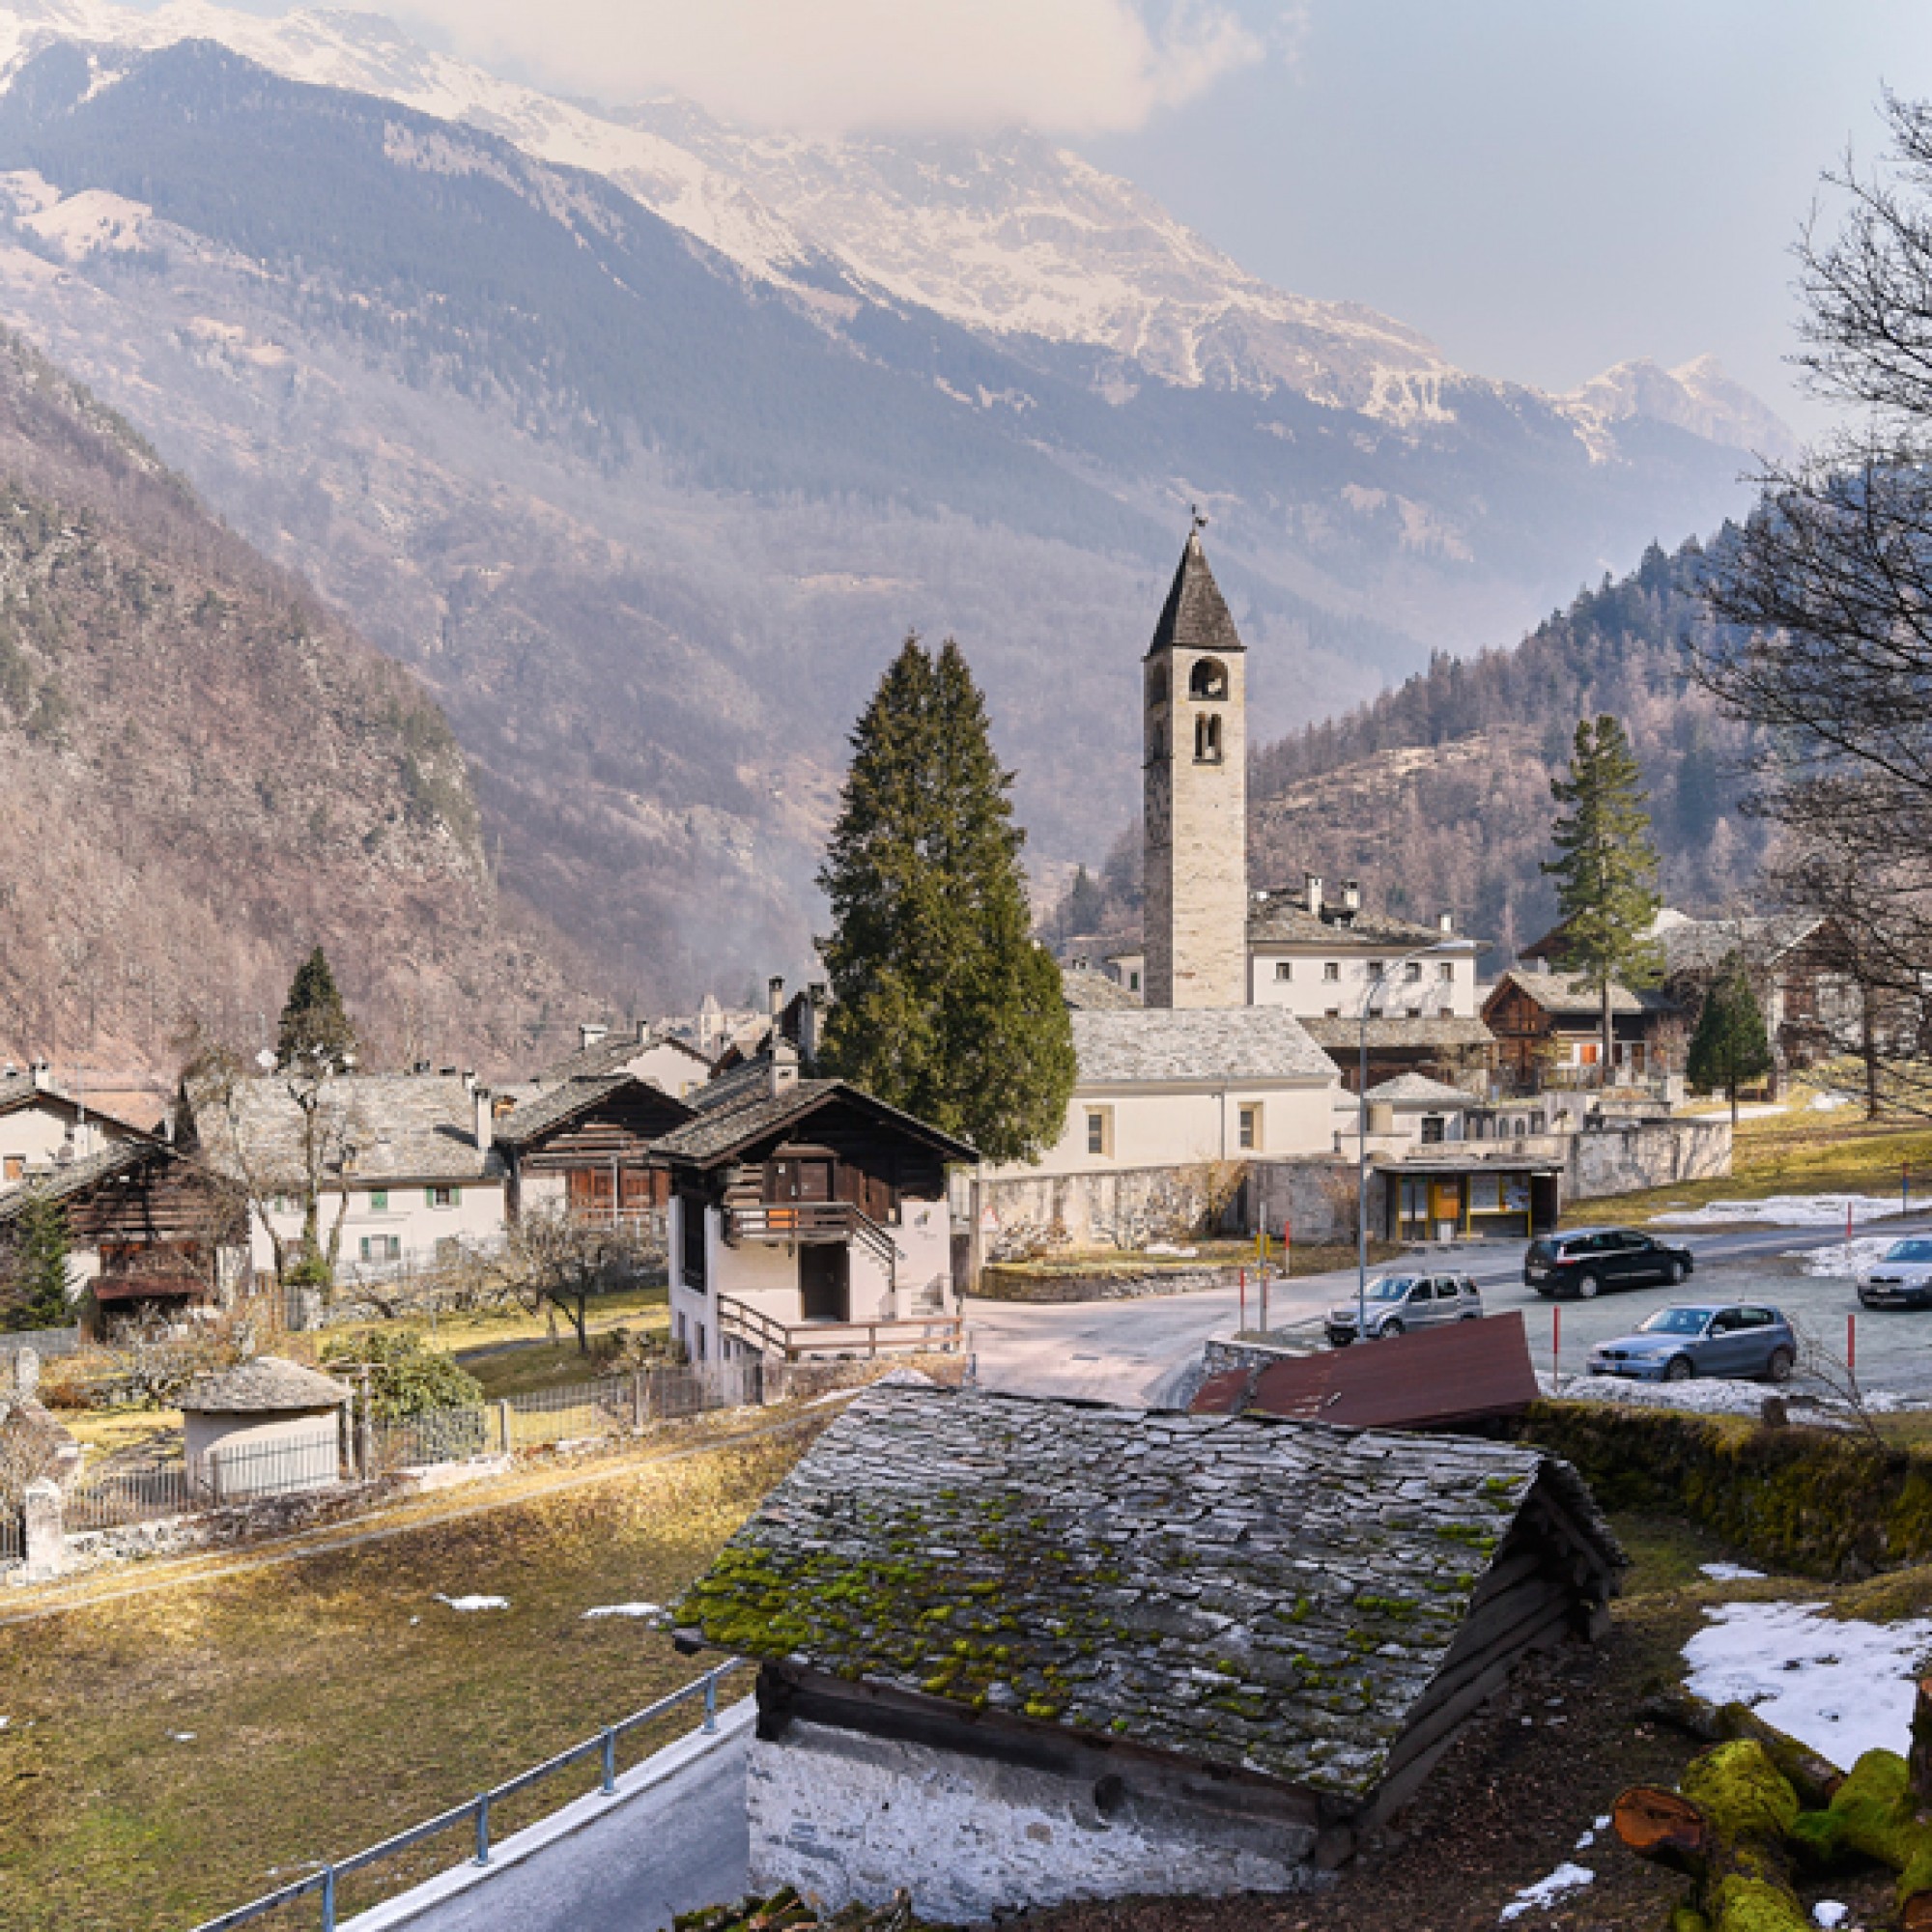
x=1391, y=1288
x=1676, y=1322
x=1909, y=1251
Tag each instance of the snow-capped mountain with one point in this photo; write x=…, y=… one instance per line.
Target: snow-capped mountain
x=1014, y=237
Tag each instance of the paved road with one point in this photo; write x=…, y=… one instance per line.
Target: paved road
x=1133, y=1352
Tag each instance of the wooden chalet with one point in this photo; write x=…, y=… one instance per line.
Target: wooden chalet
x=807, y=1218
x=150, y=1230
x=1548, y=1028
x=587, y=1146
x=1016, y=1651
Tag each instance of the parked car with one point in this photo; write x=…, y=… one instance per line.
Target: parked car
x=1702, y=1339
x=1396, y=1303
x=1586, y=1261
x=1901, y=1277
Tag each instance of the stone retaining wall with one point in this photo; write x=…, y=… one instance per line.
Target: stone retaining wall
x=1100, y=1284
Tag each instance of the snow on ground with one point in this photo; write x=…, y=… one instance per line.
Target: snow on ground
x=473, y=1603
x=1829, y=1913
x=1754, y=1110
x=1730, y=1573
x=1782, y=1210
x=1704, y=1396
x=1546, y=1891
x=1844, y=1688
x=625, y=1611
x=1842, y=1260
x=1827, y=1103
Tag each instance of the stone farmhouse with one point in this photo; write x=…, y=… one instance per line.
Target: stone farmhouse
x=1016, y=1651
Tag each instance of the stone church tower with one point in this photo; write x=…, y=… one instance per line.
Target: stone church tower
x=1196, y=768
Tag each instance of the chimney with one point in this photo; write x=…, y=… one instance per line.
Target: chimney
x=1311, y=887
x=588, y=1033
x=775, y=996
x=1446, y=921
x=1351, y=896
x=811, y=1021
x=485, y=1119
x=783, y=1066
x=42, y=1079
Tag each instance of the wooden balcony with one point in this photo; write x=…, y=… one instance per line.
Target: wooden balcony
x=794, y=1221
x=917, y=1333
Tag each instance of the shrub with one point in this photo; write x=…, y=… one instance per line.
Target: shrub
x=406, y=1376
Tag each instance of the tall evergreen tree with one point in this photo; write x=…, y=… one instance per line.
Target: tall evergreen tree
x=943, y=1003
x=1732, y=1045
x=37, y=1271
x=315, y=1029
x=1605, y=868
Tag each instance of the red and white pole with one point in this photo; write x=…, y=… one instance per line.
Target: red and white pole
x=1852, y=1344
x=1557, y=1345
x=1245, y=1301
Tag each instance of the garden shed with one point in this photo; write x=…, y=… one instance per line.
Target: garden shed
x=1017, y=1651
x=268, y=1426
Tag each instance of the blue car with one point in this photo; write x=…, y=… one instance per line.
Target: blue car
x=1731, y=1340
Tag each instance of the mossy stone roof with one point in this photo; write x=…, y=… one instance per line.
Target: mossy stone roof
x=1238, y=1591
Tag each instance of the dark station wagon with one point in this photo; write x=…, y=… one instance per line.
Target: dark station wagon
x=1585, y=1262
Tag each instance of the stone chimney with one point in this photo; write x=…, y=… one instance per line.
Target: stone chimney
x=775, y=996
x=783, y=1065
x=1446, y=921
x=590, y=1032
x=811, y=1021
x=1310, y=889
x=1351, y=896
x=43, y=1079
x=485, y=1116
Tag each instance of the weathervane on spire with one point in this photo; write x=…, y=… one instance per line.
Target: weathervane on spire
x=1200, y=522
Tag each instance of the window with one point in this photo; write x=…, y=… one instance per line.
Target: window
x=1208, y=679
x=1375, y=968
x=1332, y=969
x=1446, y=971
x=1432, y=1128
x=1283, y=969
x=1412, y=971
x=442, y=1197
x=17, y=1166
x=1251, y=1127
x=1101, y=1131
x=1486, y=1194
x=1134, y=980
x=381, y=1248
x=1413, y=1012
x=1207, y=740
x=378, y=1200
x=1333, y=1013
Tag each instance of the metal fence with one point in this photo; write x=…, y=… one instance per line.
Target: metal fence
x=46, y=1342
x=223, y=1475
x=475, y=1813
x=13, y=1543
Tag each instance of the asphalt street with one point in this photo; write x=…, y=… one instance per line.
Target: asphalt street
x=1135, y=1352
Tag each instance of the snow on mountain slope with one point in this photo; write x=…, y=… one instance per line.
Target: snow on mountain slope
x=1014, y=238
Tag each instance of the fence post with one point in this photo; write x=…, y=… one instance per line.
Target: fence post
x=483, y=1828
x=610, y=1762
x=328, y=1898
x=45, y=1534
x=711, y=1702
x=503, y=1427
x=637, y=1402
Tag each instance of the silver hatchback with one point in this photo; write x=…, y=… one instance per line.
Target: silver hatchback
x=1397, y=1304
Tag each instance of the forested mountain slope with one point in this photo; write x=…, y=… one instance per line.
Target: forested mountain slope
x=649, y=522
x=203, y=772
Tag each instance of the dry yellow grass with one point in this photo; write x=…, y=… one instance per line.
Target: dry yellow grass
x=332, y=1700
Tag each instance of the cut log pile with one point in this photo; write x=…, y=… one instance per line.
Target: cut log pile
x=1759, y=1809
x=785, y=1910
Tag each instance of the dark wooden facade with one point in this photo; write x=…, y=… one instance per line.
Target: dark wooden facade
x=1531, y=1036
x=604, y=1150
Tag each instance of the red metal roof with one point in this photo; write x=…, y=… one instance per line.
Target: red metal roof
x=1466, y=1372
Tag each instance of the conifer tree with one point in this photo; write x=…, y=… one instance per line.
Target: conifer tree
x=39, y=1265
x=943, y=1003
x=315, y=1028
x=1605, y=868
x=1732, y=1045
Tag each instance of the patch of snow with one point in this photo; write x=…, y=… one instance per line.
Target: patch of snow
x=4, y=1722
x=472, y=1602
x=1829, y=1913
x=1755, y=1110
x=1826, y=1104
x=1169, y=1248
x=1730, y=1573
x=626, y=1610
x=1842, y=1260
x=1844, y=1688
x=181, y=1736
x=1784, y=1210
x=1546, y=1891
x=1704, y=1395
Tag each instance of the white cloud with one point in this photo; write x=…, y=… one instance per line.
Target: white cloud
x=1071, y=66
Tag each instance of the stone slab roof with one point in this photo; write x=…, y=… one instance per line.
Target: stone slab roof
x=1332, y=1035
x=553, y=1106
x=395, y=1127
x=1087, y=991
x=614, y=1052
x=1256, y=1594
x=1159, y=1044
x=1570, y=994
x=1195, y=616
x=750, y=1112
x=1284, y=919
x=269, y=1384
x=1418, y=1090
x=1696, y=947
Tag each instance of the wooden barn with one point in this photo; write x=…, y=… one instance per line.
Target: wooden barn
x=585, y=1146
x=1015, y=1652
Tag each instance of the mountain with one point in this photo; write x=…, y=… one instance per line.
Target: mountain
x=203, y=772
x=644, y=439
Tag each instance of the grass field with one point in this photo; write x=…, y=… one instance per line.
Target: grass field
x=177, y=1753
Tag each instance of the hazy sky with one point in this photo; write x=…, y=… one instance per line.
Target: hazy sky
x=1543, y=186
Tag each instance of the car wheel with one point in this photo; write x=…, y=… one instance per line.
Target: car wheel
x=1680, y=1370
x=1778, y=1368
x=1676, y=1273
x=1587, y=1286
x=1392, y=1326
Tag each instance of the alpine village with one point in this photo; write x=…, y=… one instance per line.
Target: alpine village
x=862, y=1065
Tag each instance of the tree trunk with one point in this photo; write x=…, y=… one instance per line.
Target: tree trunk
x=1868, y=1051
x=1609, y=1034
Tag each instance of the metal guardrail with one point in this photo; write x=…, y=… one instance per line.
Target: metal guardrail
x=476, y=1810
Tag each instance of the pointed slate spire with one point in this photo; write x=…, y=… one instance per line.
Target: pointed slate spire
x=1195, y=615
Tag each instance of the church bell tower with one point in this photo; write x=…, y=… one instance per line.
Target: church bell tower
x=1196, y=780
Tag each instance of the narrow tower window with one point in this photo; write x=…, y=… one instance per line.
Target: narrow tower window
x=1207, y=740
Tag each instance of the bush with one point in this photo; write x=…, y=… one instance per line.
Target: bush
x=406, y=1376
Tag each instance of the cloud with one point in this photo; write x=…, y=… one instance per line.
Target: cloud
x=947, y=66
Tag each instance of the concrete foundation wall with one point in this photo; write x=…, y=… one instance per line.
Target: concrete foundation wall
x=849, y=1817
x=1626, y=1158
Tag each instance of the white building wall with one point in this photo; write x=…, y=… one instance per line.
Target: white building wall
x=476, y=1219
x=1182, y=1125
x=1310, y=994
x=36, y=1136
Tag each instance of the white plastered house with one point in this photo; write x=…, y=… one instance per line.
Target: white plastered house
x=43, y=1130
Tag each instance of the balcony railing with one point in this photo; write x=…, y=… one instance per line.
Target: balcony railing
x=792, y=1343
x=814, y=1221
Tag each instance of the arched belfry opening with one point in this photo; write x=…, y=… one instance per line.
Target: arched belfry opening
x=1207, y=681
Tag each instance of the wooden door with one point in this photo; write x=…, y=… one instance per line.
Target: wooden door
x=825, y=1282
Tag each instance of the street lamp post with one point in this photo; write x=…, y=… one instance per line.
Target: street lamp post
x=1374, y=987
